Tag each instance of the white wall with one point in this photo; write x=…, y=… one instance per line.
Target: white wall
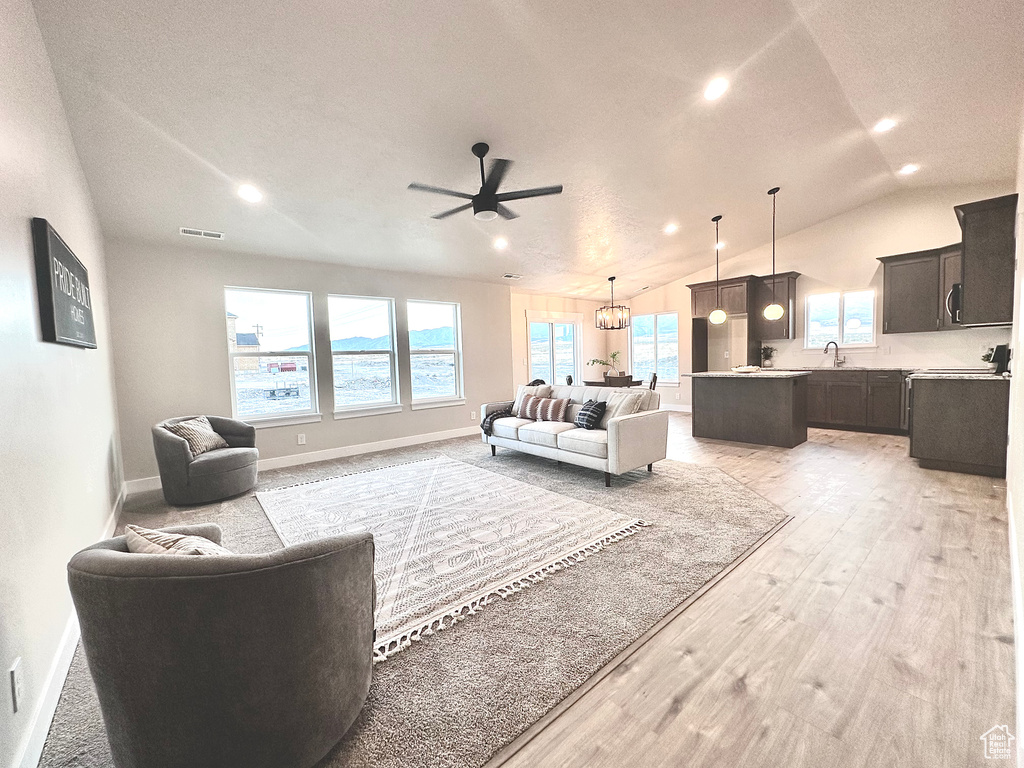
x=841, y=254
x=59, y=457
x=171, y=353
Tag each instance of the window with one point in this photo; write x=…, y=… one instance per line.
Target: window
x=269, y=335
x=552, y=351
x=435, y=350
x=655, y=347
x=362, y=352
x=846, y=318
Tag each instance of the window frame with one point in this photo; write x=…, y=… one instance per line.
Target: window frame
x=277, y=417
x=459, y=397
x=674, y=381
x=841, y=324
x=395, y=405
x=551, y=322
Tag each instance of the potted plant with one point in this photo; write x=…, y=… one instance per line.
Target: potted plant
x=987, y=358
x=614, y=378
x=767, y=353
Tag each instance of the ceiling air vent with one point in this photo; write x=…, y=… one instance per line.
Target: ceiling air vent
x=201, y=233
x=510, y=276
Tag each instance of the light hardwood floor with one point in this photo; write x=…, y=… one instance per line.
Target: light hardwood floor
x=875, y=629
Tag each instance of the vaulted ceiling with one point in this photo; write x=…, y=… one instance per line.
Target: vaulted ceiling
x=332, y=108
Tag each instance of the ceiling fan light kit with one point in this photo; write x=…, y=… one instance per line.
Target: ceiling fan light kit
x=773, y=311
x=487, y=203
x=717, y=316
x=613, y=317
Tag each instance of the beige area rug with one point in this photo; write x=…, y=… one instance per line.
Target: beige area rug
x=449, y=537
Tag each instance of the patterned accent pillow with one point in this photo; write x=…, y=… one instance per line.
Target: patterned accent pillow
x=523, y=393
x=544, y=408
x=146, y=541
x=590, y=414
x=199, y=435
x=621, y=404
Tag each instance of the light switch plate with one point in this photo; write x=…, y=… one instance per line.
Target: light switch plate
x=302, y=439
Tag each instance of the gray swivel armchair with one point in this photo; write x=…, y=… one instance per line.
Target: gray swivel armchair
x=211, y=476
x=262, y=661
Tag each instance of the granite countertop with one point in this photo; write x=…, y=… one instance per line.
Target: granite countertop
x=762, y=374
x=961, y=376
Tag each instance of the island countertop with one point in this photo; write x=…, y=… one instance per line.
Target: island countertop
x=758, y=375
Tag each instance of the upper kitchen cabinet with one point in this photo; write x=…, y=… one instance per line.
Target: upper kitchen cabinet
x=986, y=296
x=785, y=294
x=704, y=297
x=918, y=288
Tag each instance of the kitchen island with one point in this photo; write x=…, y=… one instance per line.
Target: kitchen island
x=765, y=408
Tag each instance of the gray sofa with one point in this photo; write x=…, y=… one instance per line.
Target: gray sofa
x=211, y=476
x=262, y=661
x=628, y=443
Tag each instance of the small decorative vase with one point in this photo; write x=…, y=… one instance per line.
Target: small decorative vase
x=767, y=363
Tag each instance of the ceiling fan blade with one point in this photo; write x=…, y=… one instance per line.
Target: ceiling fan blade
x=446, y=214
x=523, y=193
x=505, y=213
x=439, y=191
x=498, y=170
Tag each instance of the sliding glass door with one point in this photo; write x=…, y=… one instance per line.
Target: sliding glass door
x=553, y=351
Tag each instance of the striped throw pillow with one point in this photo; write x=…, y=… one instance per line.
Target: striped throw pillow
x=198, y=433
x=523, y=393
x=544, y=408
x=590, y=414
x=146, y=541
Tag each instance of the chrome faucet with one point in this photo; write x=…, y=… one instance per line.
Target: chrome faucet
x=836, y=362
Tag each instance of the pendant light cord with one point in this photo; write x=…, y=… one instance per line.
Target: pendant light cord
x=773, y=248
x=718, y=290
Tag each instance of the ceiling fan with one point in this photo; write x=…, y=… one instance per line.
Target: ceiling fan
x=487, y=203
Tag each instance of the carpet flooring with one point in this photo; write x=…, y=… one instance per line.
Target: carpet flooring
x=453, y=702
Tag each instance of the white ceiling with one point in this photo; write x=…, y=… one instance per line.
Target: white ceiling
x=333, y=110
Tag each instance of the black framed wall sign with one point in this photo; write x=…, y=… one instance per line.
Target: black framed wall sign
x=65, y=303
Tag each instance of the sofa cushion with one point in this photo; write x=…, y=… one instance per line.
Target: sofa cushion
x=508, y=427
x=222, y=460
x=590, y=414
x=590, y=442
x=621, y=404
x=523, y=391
x=544, y=408
x=543, y=432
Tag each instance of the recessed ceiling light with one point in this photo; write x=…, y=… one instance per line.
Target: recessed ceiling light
x=500, y=243
x=719, y=245
x=671, y=229
x=249, y=193
x=716, y=88
x=884, y=125
x=908, y=169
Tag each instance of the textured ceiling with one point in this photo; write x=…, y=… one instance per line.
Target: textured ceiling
x=332, y=108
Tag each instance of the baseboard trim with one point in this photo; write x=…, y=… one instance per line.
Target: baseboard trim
x=680, y=408
x=147, y=484
x=35, y=738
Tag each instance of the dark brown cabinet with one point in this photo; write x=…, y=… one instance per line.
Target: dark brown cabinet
x=704, y=301
x=733, y=293
x=734, y=298
x=785, y=294
x=856, y=399
x=918, y=289
x=988, y=260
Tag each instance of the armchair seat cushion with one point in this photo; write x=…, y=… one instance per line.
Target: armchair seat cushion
x=590, y=442
x=543, y=432
x=222, y=460
x=508, y=427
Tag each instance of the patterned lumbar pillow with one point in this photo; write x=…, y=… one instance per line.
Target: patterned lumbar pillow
x=621, y=404
x=523, y=393
x=590, y=414
x=544, y=408
x=146, y=541
x=198, y=433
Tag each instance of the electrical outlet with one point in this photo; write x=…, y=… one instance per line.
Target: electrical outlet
x=17, y=684
x=677, y=395
x=472, y=415
x=301, y=438
x=727, y=354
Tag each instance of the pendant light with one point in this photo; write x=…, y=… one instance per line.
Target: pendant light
x=613, y=317
x=773, y=311
x=718, y=316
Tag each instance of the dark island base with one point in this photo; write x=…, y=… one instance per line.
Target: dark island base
x=762, y=411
